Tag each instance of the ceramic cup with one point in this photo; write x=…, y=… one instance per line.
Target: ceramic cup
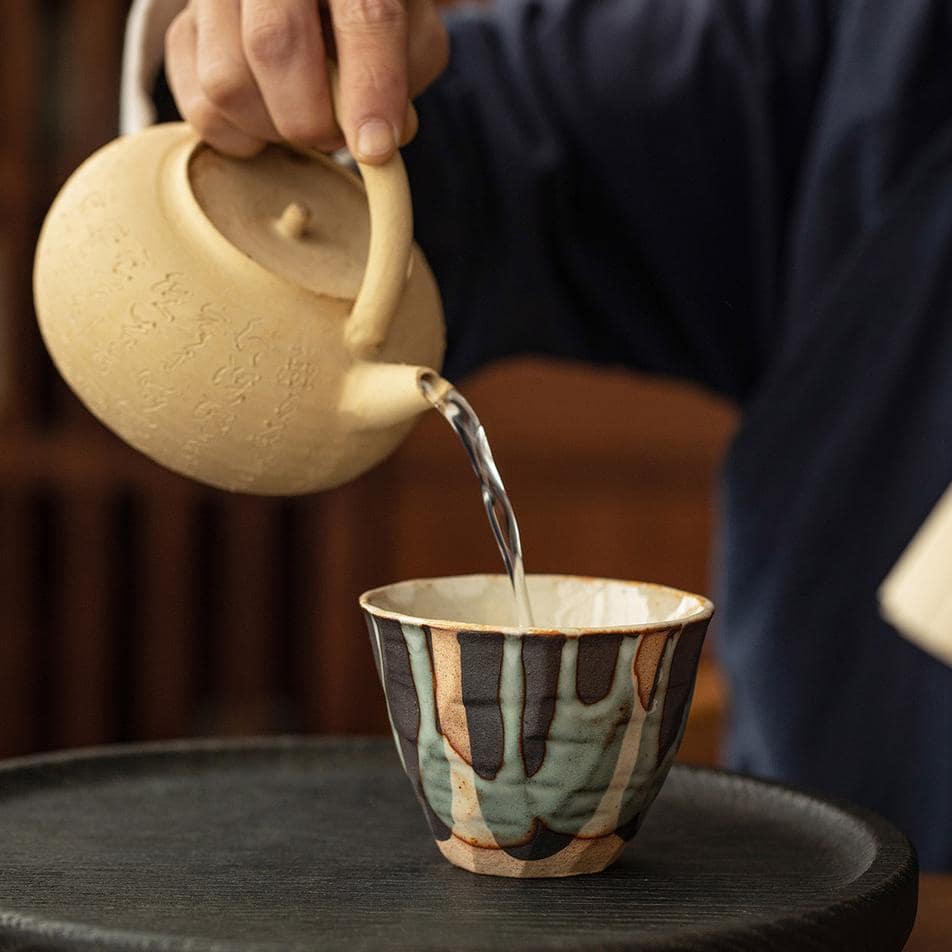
x=535, y=752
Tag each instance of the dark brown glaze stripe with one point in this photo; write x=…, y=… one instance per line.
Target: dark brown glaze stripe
x=480, y=673
x=597, y=658
x=401, y=691
x=405, y=711
x=541, y=662
x=373, y=647
x=627, y=830
x=429, y=650
x=543, y=843
x=680, y=683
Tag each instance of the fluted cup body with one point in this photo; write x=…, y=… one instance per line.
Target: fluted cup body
x=536, y=752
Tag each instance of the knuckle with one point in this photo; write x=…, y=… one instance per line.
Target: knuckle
x=205, y=119
x=272, y=41
x=225, y=85
x=331, y=145
x=363, y=14
x=306, y=128
x=214, y=129
x=244, y=148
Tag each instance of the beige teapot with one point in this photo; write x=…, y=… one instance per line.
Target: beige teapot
x=243, y=322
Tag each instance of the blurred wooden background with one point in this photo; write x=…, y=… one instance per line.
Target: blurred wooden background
x=136, y=605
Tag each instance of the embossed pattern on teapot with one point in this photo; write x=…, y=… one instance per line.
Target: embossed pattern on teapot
x=243, y=322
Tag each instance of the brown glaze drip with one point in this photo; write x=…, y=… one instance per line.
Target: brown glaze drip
x=448, y=692
x=647, y=661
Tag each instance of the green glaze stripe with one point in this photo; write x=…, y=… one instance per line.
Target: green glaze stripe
x=600, y=766
x=434, y=767
x=641, y=789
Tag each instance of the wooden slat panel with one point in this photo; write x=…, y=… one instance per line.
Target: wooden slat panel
x=76, y=461
x=18, y=659
x=166, y=656
x=84, y=700
x=347, y=549
x=8, y=392
x=20, y=89
x=21, y=85
x=90, y=58
x=89, y=49
x=246, y=691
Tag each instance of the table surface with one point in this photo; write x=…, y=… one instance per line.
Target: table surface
x=288, y=843
x=933, y=928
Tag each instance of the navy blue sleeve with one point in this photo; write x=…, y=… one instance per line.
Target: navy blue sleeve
x=611, y=180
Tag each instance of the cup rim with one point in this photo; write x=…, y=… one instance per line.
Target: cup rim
x=703, y=612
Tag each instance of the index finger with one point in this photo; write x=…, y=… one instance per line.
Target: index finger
x=372, y=52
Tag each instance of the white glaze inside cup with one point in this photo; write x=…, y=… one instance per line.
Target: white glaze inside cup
x=562, y=602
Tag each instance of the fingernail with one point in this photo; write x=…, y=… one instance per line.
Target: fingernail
x=375, y=138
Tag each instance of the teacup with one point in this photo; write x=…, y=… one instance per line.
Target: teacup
x=536, y=752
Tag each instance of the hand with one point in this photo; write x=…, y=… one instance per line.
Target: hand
x=248, y=72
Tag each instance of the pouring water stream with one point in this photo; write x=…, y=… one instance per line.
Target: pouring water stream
x=461, y=416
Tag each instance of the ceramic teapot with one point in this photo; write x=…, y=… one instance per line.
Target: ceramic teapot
x=243, y=322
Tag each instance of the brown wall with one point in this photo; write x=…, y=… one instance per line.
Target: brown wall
x=135, y=604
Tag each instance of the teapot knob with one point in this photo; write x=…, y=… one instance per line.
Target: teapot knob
x=294, y=221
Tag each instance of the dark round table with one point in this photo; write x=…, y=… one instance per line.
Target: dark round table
x=293, y=844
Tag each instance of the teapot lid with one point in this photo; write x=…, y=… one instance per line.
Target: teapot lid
x=303, y=217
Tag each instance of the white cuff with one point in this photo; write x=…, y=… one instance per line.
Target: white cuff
x=142, y=55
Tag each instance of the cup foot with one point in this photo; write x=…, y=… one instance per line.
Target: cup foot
x=578, y=858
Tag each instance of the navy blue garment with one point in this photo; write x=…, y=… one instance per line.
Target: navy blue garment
x=755, y=195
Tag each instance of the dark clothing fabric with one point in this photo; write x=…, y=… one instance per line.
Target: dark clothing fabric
x=755, y=195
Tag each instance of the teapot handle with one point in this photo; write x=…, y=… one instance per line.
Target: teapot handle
x=391, y=244
x=388, y=256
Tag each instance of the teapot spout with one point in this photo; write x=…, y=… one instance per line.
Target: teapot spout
x=379, y=395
